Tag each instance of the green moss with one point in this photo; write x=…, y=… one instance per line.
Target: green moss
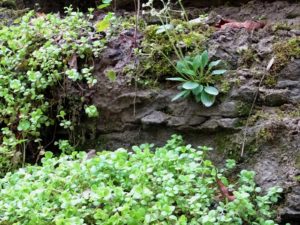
x=281, y=26
x=130, y=22
x=243, y=109
x=157, y=49
x=295, y=112
x=297, y=161
x=258, y=115
x=230, y=145
x=264, y=135
x=248, y=57
x=284, y=52
x=225, y=86
x=270, y=80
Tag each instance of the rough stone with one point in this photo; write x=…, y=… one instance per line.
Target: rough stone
x=275, y=97
x=291, y=211
x=155, y=118
x=216, y=124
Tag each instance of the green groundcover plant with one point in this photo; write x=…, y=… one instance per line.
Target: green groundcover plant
x=42, y=58
x=175, y=184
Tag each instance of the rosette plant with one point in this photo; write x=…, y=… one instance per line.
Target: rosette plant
x=198, y=77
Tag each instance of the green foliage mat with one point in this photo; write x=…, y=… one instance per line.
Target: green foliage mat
x=175, y=184
x=44, y=64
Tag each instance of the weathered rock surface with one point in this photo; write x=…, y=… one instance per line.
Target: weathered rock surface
x=272, y=144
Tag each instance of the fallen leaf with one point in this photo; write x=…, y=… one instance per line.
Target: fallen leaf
x=248, y=24
x=225, y=192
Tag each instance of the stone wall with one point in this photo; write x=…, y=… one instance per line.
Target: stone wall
x=271, y=140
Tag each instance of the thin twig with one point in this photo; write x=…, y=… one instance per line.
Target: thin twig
x=250, y=112
x=137, y=4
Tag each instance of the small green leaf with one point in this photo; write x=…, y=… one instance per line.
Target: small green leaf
x=91, y=111
x=190, y=85
x=15, y=84
x=182, y=220
x=211, y=90
x=207, y=99
x=24, y=125
x=218, y=72
x=105, y=23
x=48, y=155
x=111, y=75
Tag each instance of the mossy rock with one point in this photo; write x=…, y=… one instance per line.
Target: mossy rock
x=8, y=16
x=284, y=52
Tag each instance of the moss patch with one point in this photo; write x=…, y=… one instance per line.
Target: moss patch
x=230, y=145
x=284, y=52
x=248, y=57
x=157, y=49
x=297, y=162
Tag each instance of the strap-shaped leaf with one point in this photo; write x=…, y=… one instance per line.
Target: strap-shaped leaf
x=181, y=94
x=214, y=63
x=204, y=59
x=197, y=62
x=211, y=90
x=180, y=66
x=176, y=79
x=207, y=99
x=189, y=72
x=218, y=72
x=190, y=85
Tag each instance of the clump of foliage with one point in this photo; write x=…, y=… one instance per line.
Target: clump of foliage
x=175, y=184
x=40, y=58
x=198, y=77
x=165, y=41
x=157, y=49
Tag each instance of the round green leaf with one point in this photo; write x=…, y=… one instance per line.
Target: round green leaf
x=211, y=90
x=190, y=85
x=198, y=90
x=207, y=99
x=23, y=125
